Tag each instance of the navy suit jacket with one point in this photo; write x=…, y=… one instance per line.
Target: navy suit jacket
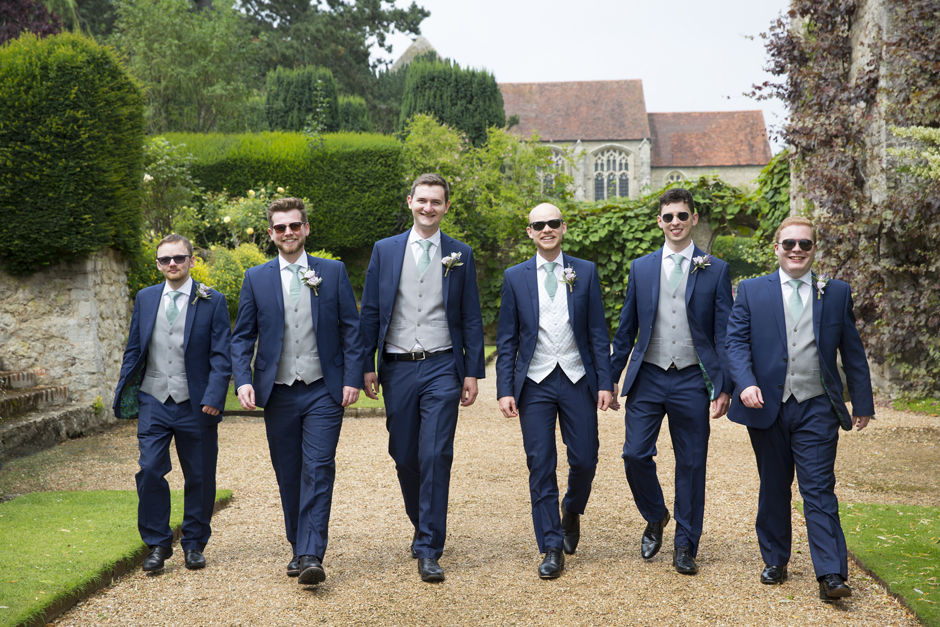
x=757, y=349
x=708, y=303
x=461, y=303
x=206, y=351
x=518, y=330
x=261, y=317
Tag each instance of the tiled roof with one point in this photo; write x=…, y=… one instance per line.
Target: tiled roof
x=724, y=138
x=586, y=110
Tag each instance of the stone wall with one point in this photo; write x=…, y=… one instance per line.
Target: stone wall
x=741, y=176
x=69, y=323
x=582, y=167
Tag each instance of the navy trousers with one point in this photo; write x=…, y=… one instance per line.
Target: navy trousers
x=805, y=436
x=682, y=395
x=197, y=445
x=421, y=403
x=576, y=409
x=303, y=423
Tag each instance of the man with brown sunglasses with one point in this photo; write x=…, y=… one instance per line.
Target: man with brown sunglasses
x=302, y=311
x=784, y=333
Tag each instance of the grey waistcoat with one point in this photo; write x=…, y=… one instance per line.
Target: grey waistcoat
x=418, y=315
x=671, y=341
x=803, y=380
x=299, y=356
x=166, y=368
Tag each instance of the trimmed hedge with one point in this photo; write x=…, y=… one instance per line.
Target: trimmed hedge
x=354, y=115
x=71, y=152
x=291, y=96
x=353, y=182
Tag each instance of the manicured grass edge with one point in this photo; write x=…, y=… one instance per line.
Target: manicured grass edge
x=884, y=584
x=107, y=576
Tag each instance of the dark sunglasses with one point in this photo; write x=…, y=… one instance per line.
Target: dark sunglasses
x=178, y=259
x=294, y=226
x=552, y=224
x=682, y=215
x=805, y=244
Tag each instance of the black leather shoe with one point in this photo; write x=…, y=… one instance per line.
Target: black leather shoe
x=832, y=588
x=311, y=571
x=552, y=565
x=194, y=560
x=430, y=570
x=773, y=575
x=293, y=567
x=414, y=538
x=570, y=531
x=157, y=556
x=683, y=561
x=652, y=539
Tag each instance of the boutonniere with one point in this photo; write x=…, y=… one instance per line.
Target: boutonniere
x=450, y=262
x=699, y=263
x=202, y=291
x=312, y=280
x=569, y=278
x=820, y=282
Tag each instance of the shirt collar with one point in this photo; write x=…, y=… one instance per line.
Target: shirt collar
x=283, y=263
x=541, y=261
x=686, y=252
x=434, y=239
x=186, y=289
x=806, y=278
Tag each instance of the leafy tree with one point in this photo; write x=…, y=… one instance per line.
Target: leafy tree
x=195, y=65
x=17, y=16
x=168, y=185
x=467, y=99
x=97, y=17
x=335, y=34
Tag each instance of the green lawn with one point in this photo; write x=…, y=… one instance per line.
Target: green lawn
x=56, y=544
x=232, y=404
x=929, y=405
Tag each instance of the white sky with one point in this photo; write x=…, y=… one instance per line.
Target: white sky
x=692, y=55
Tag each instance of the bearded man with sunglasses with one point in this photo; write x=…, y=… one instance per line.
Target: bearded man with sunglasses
x=673, y=320
x=554, y=361
x=174, y=377
x=302, y=312
x=784, y=334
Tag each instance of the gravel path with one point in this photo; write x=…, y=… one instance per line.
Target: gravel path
x=491, y=557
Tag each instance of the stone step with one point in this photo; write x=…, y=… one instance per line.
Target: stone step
x=37, y=430
x=17, y=380
x=22, y=401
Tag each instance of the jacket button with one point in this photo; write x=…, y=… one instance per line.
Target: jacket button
x=779, y=387
x=784, y=360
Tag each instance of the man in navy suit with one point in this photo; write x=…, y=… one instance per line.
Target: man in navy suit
x=302, y=311
x=554, y=360
x=783, y=336
x=678, y=300
x=421, y=313
x=178, y=357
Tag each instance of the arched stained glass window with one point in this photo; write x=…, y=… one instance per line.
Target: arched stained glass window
x=611, y=174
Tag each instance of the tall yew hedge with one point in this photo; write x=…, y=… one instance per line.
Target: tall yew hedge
x=293, y=94
x=71, y=152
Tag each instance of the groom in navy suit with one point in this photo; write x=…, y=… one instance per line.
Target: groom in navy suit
x=554, y=360
x=678, y=300
x=785, y=331
x=175, y=376
x=302, y=312
x=421, y=313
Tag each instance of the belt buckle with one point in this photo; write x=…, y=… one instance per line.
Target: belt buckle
x=424, y=355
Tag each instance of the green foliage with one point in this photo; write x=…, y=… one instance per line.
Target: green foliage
x=926, y=154
x=226, y=273
x=736, y=251
x=772, y=196
x=292, y=96
x=18, y=16
x=354, y=115
x=226, y=220
x=71, y=152
x=387, y=93
x=196, y=66
x=143, y=267
x=168, y=184
x=928, y=405
x=466, y=99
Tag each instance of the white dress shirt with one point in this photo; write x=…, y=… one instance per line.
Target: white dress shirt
x=669, y=264
x=806, y=288
x=287, y=275
x=182, y=302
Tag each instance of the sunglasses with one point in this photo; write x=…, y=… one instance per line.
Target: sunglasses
x=177, y=259
x=294, y=226
x=805, y=244
x=552, y=224
x=682, y=215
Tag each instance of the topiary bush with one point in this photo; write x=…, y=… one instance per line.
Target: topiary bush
x=354, y=115
x=71, y=152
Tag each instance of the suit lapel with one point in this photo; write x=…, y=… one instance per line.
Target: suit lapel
x=817, y=312
x=399, y=249
x=657, y=270
x=531, y=273
x=570, y=295
x=150, y=305
x=690, y=285
x=313, y=264
x=274, y=274
x=190, y=314
x=776, y=304
x=447, y=247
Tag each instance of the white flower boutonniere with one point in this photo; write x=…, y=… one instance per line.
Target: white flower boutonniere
x=202, y=291
x=312, y=280
x=450, y=262
x=570, y=278
x=820, y=282
x=701, y=262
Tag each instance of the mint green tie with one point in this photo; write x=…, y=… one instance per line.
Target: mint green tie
x=676, y=275
x=796, y=303
x=172, y=311
x=425, y=259
x=551, y=281
x=295, y=281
